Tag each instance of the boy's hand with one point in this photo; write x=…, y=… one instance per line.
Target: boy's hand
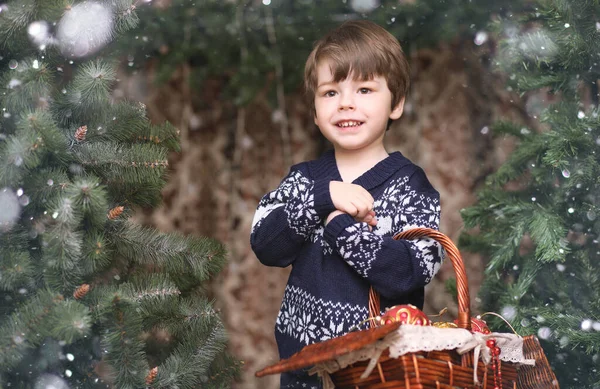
x=370, y=219
x=354, y=200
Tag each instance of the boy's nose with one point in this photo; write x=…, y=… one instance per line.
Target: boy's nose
x=345, y=103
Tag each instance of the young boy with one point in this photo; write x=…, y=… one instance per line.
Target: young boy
x=333, y=218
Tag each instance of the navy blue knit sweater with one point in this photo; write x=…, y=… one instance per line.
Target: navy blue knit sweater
x=333, y=267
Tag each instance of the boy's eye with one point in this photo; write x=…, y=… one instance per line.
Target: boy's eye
x=364, y=90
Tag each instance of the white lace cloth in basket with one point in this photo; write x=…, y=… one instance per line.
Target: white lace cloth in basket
x=412, y=338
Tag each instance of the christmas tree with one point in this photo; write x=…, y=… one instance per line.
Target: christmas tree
x=90, y=298
x=537, y=216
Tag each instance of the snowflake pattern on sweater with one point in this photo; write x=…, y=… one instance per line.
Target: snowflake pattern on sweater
x=311, y=319
x=295, y=196
x=420, y=210
x=333, y=266
x=317, y=237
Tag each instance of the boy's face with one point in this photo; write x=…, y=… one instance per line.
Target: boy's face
x=353, y=114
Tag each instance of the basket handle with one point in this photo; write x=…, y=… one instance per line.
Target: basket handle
x=462, y=285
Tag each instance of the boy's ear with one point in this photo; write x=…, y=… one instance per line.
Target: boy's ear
x=397, y=110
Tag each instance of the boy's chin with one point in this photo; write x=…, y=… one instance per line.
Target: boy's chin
x=349, y=147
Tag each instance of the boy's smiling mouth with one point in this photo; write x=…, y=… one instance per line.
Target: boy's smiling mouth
x=348, y=123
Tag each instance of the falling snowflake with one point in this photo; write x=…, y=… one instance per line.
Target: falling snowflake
x=85, y=29
x=363, y=6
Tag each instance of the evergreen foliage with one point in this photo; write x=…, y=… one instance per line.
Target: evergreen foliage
x=537, y=216
x=90, y=298
x=242, y=42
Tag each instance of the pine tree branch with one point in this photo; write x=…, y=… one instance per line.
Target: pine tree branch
x=20, y=91
x=128, y=124
x=45, y=185
x=125, y=17
x=70, y=321
x=86, y=100
x=199, y=257
x=550, y=235
x=188, y=366
x=124, y=347
x=17, y=155
x=16, y=268
x=27, y=327
x=96, y=255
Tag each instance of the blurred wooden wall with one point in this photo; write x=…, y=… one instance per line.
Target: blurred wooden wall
x=232, y=156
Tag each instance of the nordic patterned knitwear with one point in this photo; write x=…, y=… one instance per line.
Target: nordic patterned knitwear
x=327, y=293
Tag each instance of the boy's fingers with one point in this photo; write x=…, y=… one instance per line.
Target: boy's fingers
x=363, y=209
x=372, y=221
x=363, y=190
x=369, y=219
x=351, y=210
x=367, y=198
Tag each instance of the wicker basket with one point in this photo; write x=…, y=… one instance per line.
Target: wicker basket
x=422, y=370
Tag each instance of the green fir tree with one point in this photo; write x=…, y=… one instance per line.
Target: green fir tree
x=245, y=43
x=538, y=216
x=88, y=297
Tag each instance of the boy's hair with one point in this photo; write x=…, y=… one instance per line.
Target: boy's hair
x=364, y=49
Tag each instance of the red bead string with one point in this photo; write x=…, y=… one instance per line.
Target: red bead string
x=496, y=367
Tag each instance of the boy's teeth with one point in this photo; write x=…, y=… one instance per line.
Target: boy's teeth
x=349, y=124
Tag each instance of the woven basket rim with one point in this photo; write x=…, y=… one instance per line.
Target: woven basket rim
x=330, y=349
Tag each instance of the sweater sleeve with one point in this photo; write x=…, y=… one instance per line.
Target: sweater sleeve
x=286, y=217
x=393, y=267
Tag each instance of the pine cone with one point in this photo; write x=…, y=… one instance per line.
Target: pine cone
x=151, y=375
x=81, y=291
x=80, y=133
x=115, y=212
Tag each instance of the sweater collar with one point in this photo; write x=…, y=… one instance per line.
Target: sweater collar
x=326, y=168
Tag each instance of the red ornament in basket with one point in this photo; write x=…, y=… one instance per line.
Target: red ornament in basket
x=478, y=325
x=405, y=314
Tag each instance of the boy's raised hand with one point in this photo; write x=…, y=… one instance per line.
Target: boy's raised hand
x=354, y=200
